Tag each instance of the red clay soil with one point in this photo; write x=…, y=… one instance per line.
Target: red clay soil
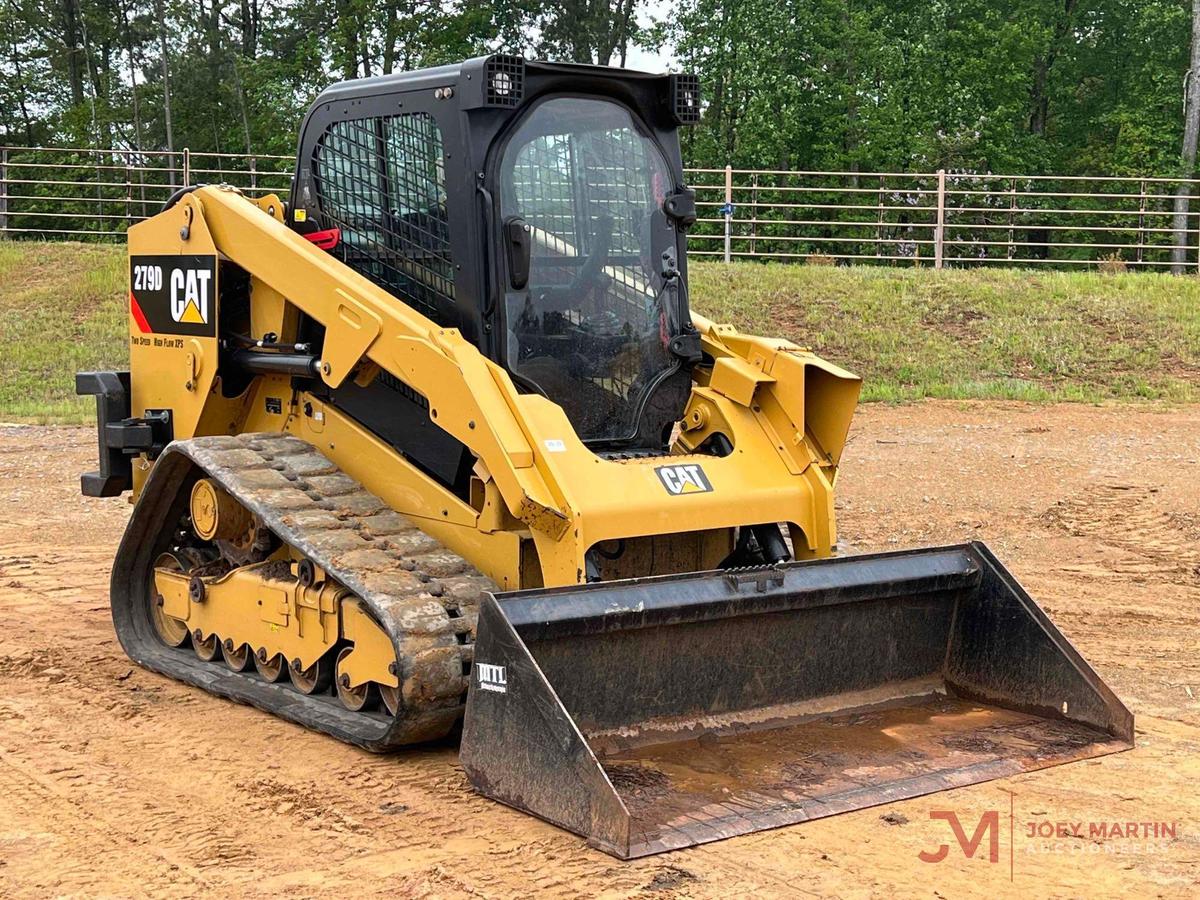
x=117, y=781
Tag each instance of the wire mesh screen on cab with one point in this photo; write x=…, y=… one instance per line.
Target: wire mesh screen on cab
x=382, y=182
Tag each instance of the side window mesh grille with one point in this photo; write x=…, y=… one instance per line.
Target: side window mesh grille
x=383, y=183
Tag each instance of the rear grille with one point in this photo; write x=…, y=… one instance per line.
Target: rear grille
x=685, y=98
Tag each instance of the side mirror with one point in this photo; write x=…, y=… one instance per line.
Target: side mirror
x=516, y=244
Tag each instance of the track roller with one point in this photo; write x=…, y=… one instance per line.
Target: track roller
x=273, y=669
x=390, y=696
x=316, y=679
x=237, y=658
x=360, y=698
x=208, y=648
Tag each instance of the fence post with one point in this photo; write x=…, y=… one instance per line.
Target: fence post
x=97, y=161
x=1141, y=233
x=187, y=168
x=4, y=192
x=728, y=212
x=253, y=172
x=128, y=192
x=754, y=215
x=1012, y=217
x=879, y=221
x=142, y=161
x=941, y=219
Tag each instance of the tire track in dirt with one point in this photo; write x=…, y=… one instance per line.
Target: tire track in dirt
x=1156, y=544
x=1139, y=579
x=29, y=796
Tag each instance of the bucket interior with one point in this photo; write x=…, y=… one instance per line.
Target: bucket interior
x=727, y=781
x=719, y=704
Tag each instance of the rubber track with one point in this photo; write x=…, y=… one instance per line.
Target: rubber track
x=425, y=597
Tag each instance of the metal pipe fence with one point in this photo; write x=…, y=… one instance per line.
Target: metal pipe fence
x=896, y=218
x=944, y=218
x=82, y=194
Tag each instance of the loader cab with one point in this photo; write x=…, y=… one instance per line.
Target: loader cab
x=538, y=208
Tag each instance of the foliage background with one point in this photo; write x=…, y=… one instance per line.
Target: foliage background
x=1028, y=86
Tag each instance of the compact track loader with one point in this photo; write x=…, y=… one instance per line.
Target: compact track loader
x=438, y=435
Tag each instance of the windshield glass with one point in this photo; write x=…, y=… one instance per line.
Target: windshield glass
x=592, y=327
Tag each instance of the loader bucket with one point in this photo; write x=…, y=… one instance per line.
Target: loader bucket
x=658, y=713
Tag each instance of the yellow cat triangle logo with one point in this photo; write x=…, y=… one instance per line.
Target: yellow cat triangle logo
x=191, y=313
x=684, y=478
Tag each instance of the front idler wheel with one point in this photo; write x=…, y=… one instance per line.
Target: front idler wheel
x=171, y=631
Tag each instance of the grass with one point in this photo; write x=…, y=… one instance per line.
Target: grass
x=1011, y=334
x=61, y=311
x=911, y=333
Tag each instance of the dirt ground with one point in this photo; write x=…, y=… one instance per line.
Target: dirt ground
x=116, y=781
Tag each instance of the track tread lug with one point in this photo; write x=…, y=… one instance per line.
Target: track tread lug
x=385, y=523
x=368, y=560
x=307, y=466
x=334, y=485
x=359, y=505
x=313, y=519
x=265, y=480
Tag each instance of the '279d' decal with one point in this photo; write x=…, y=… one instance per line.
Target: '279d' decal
x=174, y=294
